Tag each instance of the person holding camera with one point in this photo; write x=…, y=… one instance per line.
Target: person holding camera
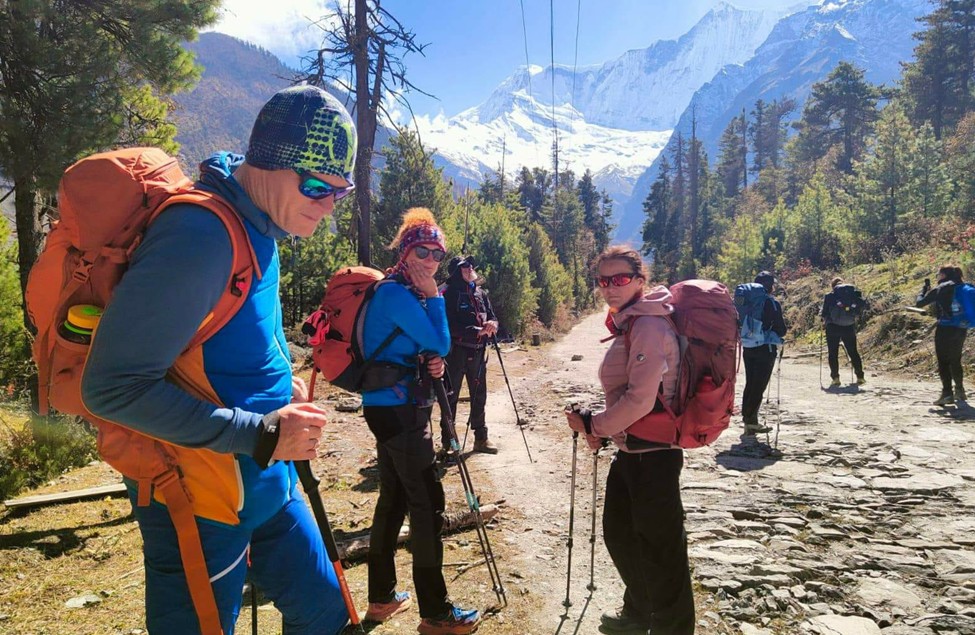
x=949, y=336
x=643, y=516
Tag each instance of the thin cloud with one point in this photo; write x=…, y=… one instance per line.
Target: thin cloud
x=286, y=30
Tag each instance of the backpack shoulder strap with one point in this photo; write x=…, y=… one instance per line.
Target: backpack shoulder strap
x=244, y=261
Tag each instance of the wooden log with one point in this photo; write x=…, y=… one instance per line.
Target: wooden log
x=357, y=548
x=41, y=500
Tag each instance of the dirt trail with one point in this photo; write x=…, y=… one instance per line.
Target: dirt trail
x=865, y=521
x=867, y=513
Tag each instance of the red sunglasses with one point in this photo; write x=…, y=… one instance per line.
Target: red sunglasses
x=617, y=280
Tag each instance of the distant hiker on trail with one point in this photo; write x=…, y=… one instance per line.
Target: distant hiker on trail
x=841, y=308
x=762, y=330
x=399, y=417
x=643, y=517
x=472, y=325
x=233, y=416
x=949, y=337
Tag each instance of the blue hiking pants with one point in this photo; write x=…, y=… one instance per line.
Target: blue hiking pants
x=288, y=564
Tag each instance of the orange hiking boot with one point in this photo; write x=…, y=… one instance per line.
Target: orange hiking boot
x=456, y=621
x=383, y=611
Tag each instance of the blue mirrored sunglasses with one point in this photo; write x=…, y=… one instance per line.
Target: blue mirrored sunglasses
x=317, y=189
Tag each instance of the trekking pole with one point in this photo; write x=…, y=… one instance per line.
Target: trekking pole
x=497, y=349
x=310, y=484
x=778, y=398
x=572, y=513
x=592, y=530
x=472, y=501
x=822, y=336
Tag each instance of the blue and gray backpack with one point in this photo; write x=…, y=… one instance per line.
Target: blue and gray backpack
x=962, y=307
x=750, y=300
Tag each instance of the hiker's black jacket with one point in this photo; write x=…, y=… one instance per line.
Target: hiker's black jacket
x=468, y=307
x=772, y=319
x=942, y=296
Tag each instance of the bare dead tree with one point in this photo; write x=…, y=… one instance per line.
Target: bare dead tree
x=362, y=53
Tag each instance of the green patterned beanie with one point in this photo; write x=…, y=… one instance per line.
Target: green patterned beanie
x=305, y=128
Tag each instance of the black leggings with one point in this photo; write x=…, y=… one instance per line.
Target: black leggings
x=408, y=482
x=643, y=526
x=848, y=335
x=759, y=362
x=470, y=363
x=949, y=342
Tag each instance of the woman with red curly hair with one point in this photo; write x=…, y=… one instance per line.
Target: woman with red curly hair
x=407, y=323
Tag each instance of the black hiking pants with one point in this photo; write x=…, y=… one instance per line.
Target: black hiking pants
x=759, y=362
x=408, y=482
x=470, y=363
x=643, y=526
x=949, y=342
x=848, y=335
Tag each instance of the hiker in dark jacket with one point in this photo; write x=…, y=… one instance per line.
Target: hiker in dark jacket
x=643, y=516
x=949, y=339
x=399, y=418
x=472, y=325
x=760, y=360
x=840, y=310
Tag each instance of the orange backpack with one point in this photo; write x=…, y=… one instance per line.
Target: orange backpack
x=335, y=333
x=106, y=202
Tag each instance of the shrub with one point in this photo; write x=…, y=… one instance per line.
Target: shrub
x=43, y=448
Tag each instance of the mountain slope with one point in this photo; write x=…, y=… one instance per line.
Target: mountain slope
x=218, y=113
x=613, y=119
x=801, y=50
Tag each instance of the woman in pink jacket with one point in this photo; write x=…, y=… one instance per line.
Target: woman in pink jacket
x=643, y=518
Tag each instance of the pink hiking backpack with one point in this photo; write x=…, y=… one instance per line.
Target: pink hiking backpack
x=706, y=322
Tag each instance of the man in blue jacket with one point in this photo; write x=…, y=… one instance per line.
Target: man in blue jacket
x=244, y=488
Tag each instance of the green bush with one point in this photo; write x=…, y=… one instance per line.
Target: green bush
x=15, y=363
x=42, y=449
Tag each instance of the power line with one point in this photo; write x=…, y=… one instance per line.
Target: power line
x=555, y=126
x=528, y=69
x=575, y=60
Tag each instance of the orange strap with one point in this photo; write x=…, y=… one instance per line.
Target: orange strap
x=190, y=552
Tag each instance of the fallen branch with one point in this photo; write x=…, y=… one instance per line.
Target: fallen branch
x=41, y=500
x=357, y=548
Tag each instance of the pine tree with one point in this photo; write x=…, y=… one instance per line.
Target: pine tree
x=78, y=77
x=656, y=208
x=939, y=82
x=732, y=158
x=550, y=279
x=885, y=177
x=757, y=134
x=840, y=112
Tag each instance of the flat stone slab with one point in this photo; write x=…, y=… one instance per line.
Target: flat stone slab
x=882, y=592
x=924, y=482
x=831, y=624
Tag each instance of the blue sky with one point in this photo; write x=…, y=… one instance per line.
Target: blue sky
x=473, y=45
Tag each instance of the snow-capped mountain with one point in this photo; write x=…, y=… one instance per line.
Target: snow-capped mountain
x=613, y=119
x=802, y=49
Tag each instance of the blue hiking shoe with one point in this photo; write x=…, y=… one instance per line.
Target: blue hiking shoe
x=456, y=621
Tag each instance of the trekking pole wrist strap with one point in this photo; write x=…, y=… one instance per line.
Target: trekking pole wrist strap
x=586, y=415
x=267, y=439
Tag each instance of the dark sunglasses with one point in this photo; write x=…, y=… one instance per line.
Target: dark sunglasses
x=617, y=280
x=422, y=253
x=317, y=189
x=465, y=265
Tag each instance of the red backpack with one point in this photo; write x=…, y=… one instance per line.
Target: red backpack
x=706, y=322
x=106, y=202
x=335, y=331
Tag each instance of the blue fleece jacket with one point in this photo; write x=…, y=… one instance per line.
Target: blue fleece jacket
x=425, y=330
x=174, y=280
